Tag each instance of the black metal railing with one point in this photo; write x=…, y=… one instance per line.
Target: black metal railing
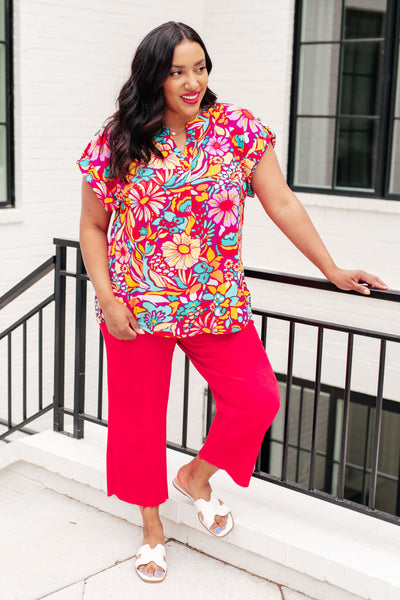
x=371, y=470
x=29, y=409
x=312, y=448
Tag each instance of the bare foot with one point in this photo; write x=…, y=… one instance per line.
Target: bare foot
x=153, y=534
x=193, y=478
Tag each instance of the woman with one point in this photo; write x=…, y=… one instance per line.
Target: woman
x=174, y=167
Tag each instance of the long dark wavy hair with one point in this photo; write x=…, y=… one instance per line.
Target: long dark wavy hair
x=141, y=105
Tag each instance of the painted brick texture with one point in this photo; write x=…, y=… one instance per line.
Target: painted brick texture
x=70, y=62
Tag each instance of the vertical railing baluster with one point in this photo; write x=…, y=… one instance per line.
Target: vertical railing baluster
x=80, y=346
x=317, y=390
x=185, y=411
x=209, y=410
x=285, y=450
x=346, y=414
x=263, y=337
x=378, y=423
x=365, y=466
x=100, y=378
x=40, y=360
x=257, y=467
x=264, y=325
x=59, y=337
x=299, y=433
x=9, y=386
x=24, y=371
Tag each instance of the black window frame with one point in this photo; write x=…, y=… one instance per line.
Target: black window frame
x=336, y=395
x=386, y=113
x=9, y=123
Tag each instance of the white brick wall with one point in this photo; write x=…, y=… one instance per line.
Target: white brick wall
x=70, y=62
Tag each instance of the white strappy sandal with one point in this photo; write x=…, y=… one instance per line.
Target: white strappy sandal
x=145, y=555
x=206, y=511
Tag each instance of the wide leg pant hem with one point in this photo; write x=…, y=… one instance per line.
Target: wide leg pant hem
x=243, y=482
x=137, y=501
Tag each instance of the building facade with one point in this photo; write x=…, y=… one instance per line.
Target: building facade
x=322, y=73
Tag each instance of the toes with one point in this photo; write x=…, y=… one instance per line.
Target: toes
x=151, y=570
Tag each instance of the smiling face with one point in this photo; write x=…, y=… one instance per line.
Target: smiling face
x=186, y=84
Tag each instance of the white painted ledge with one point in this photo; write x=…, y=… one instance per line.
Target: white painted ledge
x=322, y=550
x=350, y=203
x=11, y=215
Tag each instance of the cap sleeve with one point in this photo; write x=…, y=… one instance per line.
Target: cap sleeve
x=94, y=164
x=251, y=139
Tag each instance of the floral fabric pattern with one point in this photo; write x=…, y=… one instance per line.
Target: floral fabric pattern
x=175, y=235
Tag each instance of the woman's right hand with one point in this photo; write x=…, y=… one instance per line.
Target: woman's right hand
x=120, y=321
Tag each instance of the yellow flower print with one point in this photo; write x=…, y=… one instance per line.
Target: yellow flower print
x=169, y=161
x=183, y=252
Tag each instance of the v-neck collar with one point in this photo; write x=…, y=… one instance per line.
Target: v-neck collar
x=192, y=128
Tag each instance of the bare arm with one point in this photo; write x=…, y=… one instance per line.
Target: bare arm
x=287, y=212
x=93, y=240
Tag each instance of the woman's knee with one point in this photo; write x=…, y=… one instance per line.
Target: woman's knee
x=266, y=400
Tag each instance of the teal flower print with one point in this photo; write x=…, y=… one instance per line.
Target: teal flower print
x=203, y=270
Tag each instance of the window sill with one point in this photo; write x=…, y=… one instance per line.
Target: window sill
x=11, y=215
x=350, y=203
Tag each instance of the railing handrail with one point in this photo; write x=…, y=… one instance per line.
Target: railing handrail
x=67, y=243
x=34, y=311
x=28, y=281
x=318, y=283
x=372, y=333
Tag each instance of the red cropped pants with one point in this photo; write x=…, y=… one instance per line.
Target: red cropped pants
x=244, y=388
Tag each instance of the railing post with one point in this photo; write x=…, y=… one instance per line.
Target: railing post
x=317, y=391
x=378, y=427
x=185, y=403
x=59, y=338
x=80, y=346
x=285, y=450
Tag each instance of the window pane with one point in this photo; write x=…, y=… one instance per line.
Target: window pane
x=314, y=152
x=2, y=83
x=321, y=20
x=364, y=22
x=394, y=186
x=356, y=160
x=361, y=77
x=3, y=165
x=319, y=66
x=397, y=104
x=2, y=20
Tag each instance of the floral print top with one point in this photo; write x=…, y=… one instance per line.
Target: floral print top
x=175, y=235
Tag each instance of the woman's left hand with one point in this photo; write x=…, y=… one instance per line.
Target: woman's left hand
x=354, y=280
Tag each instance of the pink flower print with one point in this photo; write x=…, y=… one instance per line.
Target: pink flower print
x=245, y=119
x=122, y=253
x=225, y=207
x=146, y=200
x=99, y=147
x=217, y=146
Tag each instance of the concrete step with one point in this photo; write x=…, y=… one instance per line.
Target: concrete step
x=57, y=548
x=293, y=540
